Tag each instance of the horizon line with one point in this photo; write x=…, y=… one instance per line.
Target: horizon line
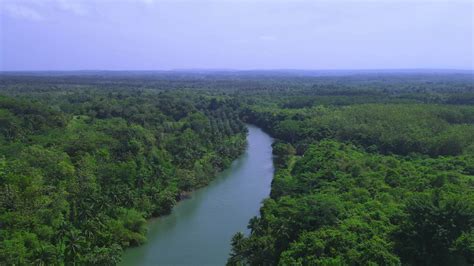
x=243, y=70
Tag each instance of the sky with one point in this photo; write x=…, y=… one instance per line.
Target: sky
x=235, y=34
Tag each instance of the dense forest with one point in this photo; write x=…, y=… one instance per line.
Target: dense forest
x=369, y=172
x=371, y=168
x=81, y=168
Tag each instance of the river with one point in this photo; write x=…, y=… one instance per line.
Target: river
x=199, y=229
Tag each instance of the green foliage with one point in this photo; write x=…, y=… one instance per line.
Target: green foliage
x=341, y=205
x=433, y=228
x=78, y=179
x=373, y=169
x=396, y=128
x=390, y=156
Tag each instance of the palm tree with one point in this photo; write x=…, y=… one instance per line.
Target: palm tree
x=44, y=256
x=74, y=246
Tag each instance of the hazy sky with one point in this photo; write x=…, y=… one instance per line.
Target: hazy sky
x=236, y=34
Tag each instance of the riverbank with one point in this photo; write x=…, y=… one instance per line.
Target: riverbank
x=198, y=230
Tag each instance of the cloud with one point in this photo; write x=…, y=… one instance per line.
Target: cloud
x=267, y=38
x=72, y=6
x=42, y=9
x=21, y=12
x=39, y=9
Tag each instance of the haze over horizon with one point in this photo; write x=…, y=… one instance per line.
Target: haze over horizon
x=57, y=35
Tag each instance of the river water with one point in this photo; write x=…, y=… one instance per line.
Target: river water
x=199, y=229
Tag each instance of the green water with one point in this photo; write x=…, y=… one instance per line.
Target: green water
x=199, y=230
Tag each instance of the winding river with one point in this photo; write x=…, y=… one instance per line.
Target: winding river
x=199, y=229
